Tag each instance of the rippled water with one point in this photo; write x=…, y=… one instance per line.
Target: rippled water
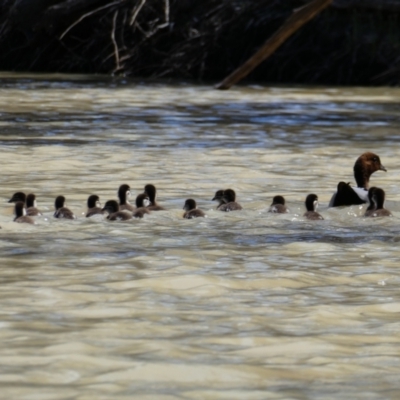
x=241, y=305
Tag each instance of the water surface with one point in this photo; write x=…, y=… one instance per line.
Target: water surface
x=243, y=305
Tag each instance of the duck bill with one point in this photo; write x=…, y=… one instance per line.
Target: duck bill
x=382, y=168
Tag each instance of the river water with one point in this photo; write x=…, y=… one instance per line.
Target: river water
x=242, y=305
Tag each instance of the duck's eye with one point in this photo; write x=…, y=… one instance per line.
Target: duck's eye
x=375, y=159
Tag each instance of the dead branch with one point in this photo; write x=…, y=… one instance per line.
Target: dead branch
x=166, y=11
x=136, y=12
x=115, y=44
x=153, y=31
x=300, y=17
x=82, y=17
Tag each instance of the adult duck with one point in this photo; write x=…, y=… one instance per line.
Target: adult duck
x=364, y=167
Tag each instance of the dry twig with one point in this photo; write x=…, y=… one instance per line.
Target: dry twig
x=115, y=44
x=88, y=15
x=136, y=12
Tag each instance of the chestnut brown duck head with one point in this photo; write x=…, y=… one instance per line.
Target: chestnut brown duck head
x=365, y=166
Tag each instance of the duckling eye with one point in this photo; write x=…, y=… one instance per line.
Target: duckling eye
x=375, y=159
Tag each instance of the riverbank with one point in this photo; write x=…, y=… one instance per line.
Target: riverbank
x=349, y=43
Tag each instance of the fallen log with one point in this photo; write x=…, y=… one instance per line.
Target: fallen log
x=300, y=17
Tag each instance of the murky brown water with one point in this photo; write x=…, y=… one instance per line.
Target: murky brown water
x=240, y=305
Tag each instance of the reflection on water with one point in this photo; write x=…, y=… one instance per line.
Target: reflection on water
x=233, y=306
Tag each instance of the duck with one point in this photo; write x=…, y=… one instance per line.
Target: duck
x=364, y=167
x=124, y=192
x=311, y=206
x=219, y=196
x=62, y=211
x=191, y=210
x=376, y=207
x=18, y=196
x=142, y=202
x=20, y=214
x=151, y=191
x=278, y=205
x=94, y=206
x=29, y=201
x=114, y=212
x=31, y=209
x=229, y=198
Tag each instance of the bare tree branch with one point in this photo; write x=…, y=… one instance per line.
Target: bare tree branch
x=299, y=17
x=88, y=15
x=136, y=11
x=115, y=44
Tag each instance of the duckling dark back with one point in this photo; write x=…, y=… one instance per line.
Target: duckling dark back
x=191, y=210
x=61, y=211
x=114, y=213
x=278, y=205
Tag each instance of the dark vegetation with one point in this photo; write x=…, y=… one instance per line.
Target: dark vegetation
x=351, y=42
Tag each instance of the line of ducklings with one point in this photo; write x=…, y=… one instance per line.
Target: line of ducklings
x=25, y=206
x=345, y=195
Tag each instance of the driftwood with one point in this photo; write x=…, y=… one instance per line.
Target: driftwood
x=294, y=22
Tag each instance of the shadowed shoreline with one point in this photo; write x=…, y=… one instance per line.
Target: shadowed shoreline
x=349, y=43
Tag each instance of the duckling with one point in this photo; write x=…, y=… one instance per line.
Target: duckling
x=61, y=211
x=31, y=209
x=114, y=213
x=18, y=196
x=124, y=192
x=151, y=192
x=311, y=206
x=20, y=214
x=278, y=205
x=376, y=207
x=191, y=210
x=94, y=206
x=219, y=196
x=229, y=197
x=142, y=202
